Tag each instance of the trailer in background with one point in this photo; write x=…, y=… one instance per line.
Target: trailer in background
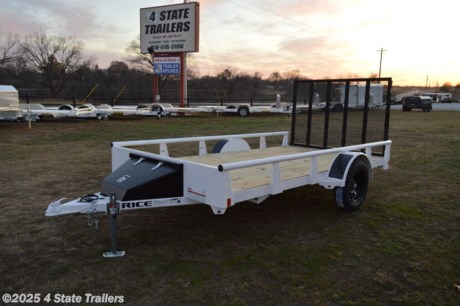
x=9, y=103
x=357, y=95
x=438, y=97
x=353, y=96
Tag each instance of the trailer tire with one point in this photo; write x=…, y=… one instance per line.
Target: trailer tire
x=338, y=108
x=352, y=195
x=243, y=111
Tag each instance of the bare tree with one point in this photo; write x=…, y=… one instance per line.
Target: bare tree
x=136, y=58
x=229, y=78
x=8, y=49
x=293, y=75
x=275, y=77
x=144, y=61
x=256, y=79
x=54, y=57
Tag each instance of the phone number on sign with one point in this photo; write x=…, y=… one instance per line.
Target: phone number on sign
x=87, y=298
x=168, y=47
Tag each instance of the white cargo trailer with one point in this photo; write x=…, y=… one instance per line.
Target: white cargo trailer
x=357, y=95
x=234, y=172
x=9, y=103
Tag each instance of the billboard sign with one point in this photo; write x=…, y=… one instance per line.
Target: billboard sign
x=166, y=65
x=170, y=28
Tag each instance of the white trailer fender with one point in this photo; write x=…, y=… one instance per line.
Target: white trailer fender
x=340, y=167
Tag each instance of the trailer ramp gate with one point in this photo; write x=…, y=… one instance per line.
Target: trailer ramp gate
x=330, y=115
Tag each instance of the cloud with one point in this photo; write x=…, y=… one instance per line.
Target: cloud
x=293, y=8
x=318, y=37
x=74, y=20
x=103, y=58
x=15, y=19
x=54, y=17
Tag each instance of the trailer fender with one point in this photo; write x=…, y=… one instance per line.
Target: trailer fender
x=65, y=107
x=340, y=167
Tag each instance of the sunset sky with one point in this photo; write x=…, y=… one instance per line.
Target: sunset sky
x=320, y=38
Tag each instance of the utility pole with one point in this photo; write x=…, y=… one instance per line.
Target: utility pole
x=381, y=55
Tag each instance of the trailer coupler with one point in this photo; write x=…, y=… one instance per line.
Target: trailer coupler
x=90, y=203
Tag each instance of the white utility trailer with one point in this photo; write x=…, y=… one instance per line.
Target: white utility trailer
x=166, y=109
x=233, y=172
x=86, y=110
x=244, y=109
x=240, y=109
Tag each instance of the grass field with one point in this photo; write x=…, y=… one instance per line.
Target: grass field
x=296, y=248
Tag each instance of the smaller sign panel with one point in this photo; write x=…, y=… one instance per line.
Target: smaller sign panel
x=166, y=65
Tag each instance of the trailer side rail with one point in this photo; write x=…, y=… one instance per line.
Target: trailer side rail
x=120, y=153
x=278, y=159
x=212, y=183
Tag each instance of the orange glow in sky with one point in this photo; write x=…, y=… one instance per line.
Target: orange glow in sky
x=320, y=38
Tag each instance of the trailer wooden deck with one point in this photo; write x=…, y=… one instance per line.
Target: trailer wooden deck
x=257, y=176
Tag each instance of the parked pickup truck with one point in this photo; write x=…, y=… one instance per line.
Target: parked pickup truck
x=421, y=102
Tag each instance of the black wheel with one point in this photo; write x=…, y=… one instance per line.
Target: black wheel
x=338, y=108
x=243, y=111
x=352, y=195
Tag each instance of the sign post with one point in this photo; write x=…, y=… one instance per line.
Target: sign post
x=182, y=81
x=156, y=92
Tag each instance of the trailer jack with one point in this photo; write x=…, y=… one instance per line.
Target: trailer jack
x=113, y=210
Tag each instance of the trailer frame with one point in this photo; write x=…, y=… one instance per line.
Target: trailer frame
x=234, y=172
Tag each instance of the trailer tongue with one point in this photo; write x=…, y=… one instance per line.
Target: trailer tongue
x=234, y=172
